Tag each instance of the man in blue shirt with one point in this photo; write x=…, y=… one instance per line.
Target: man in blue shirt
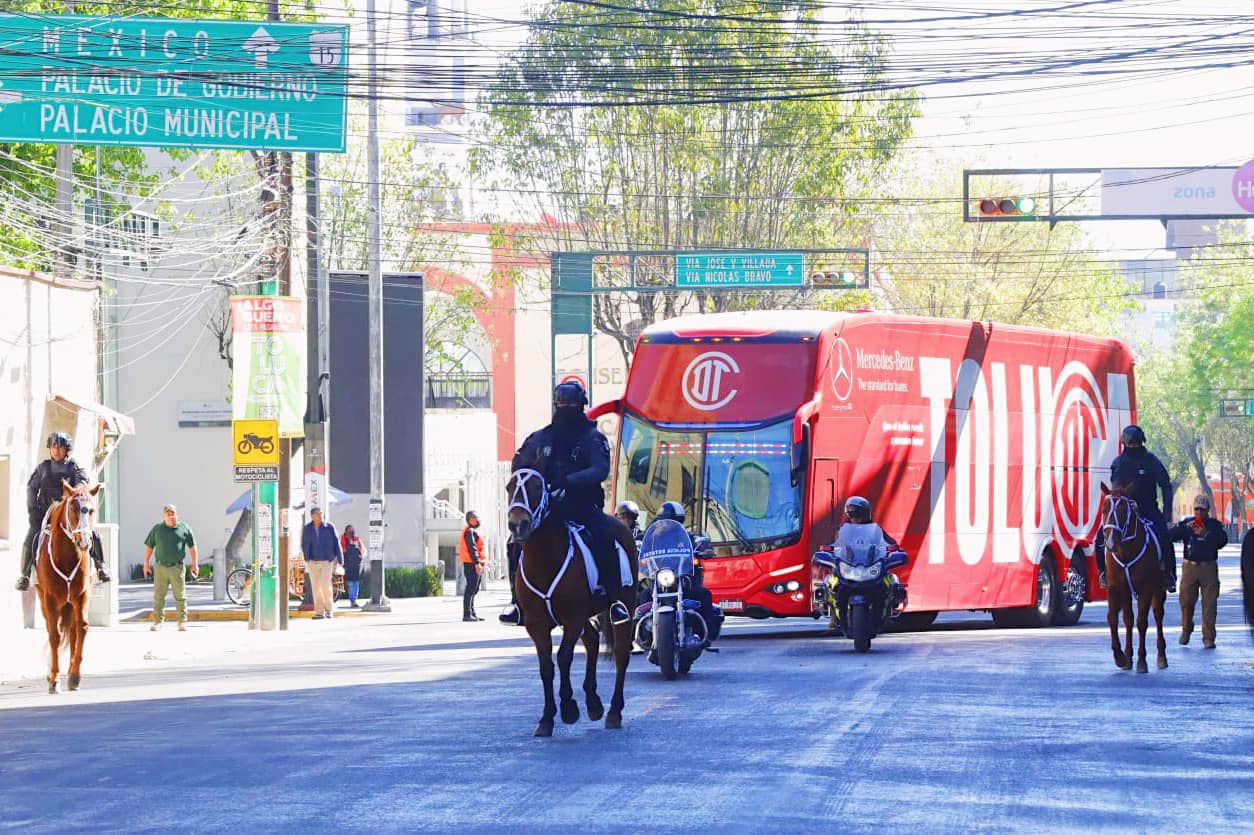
x=320, y=546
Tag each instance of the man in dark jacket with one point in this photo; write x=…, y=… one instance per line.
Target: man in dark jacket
x=1142, y=477
x=574, y=458
x=42, y=491
x=1202, y=536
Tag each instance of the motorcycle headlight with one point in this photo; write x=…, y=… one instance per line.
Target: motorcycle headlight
x=859, y=573
x=666, y=578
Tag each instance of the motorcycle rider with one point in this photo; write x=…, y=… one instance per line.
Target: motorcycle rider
x=1142, y=477
x=574, y=458
x=43, y=489
x=702, y=549
x=629, y=514
x=858, y=512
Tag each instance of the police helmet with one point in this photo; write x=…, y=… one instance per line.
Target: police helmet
x=671, y=510
x=60, y=439
x=629, y=509
x=570, y=393
x=858, y=510
x=1132, y=436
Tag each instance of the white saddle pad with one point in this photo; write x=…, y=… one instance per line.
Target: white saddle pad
x=577, y=539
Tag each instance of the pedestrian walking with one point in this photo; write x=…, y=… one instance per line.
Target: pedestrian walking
x=354, y=552
x=171, y=542
x=470, y=554
x=321, y=549
x=1202, y=536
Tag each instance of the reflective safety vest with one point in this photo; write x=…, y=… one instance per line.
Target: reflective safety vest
x=463, y=552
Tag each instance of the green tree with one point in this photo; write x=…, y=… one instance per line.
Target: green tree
x=692, y=124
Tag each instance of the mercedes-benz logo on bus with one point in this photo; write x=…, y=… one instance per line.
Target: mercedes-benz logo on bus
x=842, y=370
x=705, y=379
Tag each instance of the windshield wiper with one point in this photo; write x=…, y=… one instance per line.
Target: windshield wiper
x=728, y=520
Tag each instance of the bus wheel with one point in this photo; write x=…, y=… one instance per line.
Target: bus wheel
x=1072, y=591
x=1042, y=612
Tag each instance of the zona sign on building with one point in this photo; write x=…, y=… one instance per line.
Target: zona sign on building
x=143, y=81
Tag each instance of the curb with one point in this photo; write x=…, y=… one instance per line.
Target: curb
x=228, y=615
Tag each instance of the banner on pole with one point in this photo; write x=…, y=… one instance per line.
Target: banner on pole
x=269, y=361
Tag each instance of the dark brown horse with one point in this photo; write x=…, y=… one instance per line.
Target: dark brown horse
x=552, y=590
x=1135, y=575
x=63, y=579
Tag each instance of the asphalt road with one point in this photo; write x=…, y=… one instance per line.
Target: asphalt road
x=416, y=721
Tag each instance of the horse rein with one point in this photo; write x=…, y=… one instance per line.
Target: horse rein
x=518, y=499
x=77, y=535
x=1125, y=530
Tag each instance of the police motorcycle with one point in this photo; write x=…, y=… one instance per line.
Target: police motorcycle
x=858, y=590
x=670, y=626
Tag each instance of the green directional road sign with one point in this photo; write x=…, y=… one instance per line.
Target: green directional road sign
x=740, y=269
x=173, y=83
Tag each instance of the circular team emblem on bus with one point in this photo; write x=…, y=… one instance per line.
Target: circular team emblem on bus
x=842, y=370
x=707, y=383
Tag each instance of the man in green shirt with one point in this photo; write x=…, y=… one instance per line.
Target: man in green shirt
x=171, y=541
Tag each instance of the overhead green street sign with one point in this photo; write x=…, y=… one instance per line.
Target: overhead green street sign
x=1229, y=407
x=740, y=269
x=146, y=81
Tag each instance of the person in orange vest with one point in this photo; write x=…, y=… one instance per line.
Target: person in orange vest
x=470, y=553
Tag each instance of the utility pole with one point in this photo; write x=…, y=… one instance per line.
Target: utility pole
x=374, y=291
x=63, y=225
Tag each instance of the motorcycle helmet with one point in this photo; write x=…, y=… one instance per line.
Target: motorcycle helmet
x=628, y=511
x=569, y=393
x=1132, y=436
x=61, y=439
x=672, y=510
x=858, y=510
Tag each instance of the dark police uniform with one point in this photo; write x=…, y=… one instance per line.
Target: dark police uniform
x=43, y=489
x=1142, y=476
x=577, y=461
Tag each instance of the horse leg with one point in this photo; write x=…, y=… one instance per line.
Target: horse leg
x=622, y=655
x=1142, y=624
x=542, y=637
x=1162, y=642
x=591, y=642
x=52, y=620
x=565, y=657
x=1112, y=619
x=1128, y=618
x=78, y=634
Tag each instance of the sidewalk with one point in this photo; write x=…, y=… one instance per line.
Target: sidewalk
x=209, y=644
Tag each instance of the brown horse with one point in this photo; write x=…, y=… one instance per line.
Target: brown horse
x=1132, y=566
x=63, y=579
x=552, y=590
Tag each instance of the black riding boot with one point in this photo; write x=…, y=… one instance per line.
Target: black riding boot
x=97, y=557
x=28, y=556
x=1169, y=566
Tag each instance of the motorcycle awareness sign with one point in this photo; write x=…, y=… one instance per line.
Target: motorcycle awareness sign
x=269, y=372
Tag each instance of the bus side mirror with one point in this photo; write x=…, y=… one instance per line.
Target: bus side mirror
x=800, y=456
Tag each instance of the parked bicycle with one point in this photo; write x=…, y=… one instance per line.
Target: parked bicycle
x=239, y=583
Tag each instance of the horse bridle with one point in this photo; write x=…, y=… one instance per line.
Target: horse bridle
x=1127, y=529
x=80, y=535
x=518, y=498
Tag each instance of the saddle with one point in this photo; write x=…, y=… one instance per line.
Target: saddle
x=579, y=537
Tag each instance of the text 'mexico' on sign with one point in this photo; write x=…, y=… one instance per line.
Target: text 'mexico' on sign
x=159, y=82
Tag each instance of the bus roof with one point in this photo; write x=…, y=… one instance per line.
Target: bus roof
x=780, y=324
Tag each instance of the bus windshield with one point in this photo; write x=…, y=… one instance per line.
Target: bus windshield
x=737, y=485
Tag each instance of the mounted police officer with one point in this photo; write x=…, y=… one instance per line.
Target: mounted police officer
x=574, y=458
x=1142, y=477
x=629, y=514
x=42, y=491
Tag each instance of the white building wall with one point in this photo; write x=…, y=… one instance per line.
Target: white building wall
x=47, y=348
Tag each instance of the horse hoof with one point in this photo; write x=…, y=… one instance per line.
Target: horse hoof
x=52, y=688
x=545, y=728
x=1162, y=663
x=595, y=708
x=570, y=712
x=1142, y=667
x=1124, y=665
x=75, y=681
x=614, y=721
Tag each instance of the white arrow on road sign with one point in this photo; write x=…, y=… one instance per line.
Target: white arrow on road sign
x=260, y=44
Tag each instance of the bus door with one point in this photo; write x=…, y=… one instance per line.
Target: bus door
x=825, y=502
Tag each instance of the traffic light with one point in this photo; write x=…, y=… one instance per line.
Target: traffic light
x=1007, y=207
x=838, y=279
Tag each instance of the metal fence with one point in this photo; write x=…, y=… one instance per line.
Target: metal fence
x=459, y=391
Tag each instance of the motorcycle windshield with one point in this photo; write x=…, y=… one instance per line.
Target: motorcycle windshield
x=666, y=545
x=861, y=544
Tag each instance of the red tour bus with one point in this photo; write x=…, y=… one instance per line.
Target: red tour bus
x=981, y=447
